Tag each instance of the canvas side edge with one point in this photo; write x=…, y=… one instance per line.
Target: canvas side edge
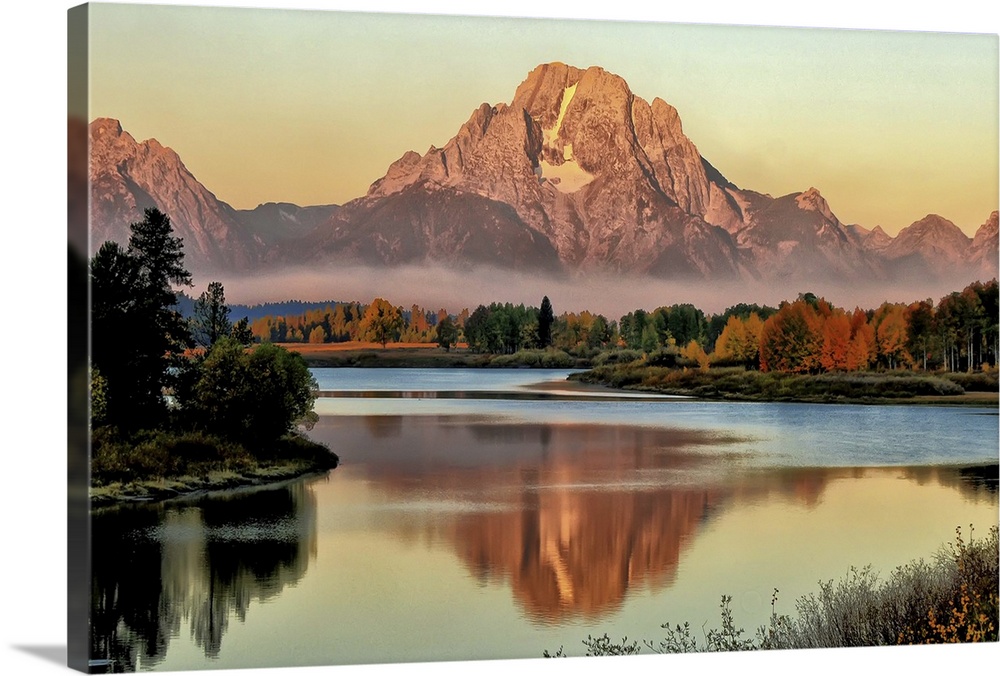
x=78, y=345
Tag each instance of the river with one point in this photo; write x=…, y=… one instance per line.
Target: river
x=497, y=513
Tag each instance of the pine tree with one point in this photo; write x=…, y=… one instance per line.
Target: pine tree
x=137, y=333
x=545, y=319
x=211, y=316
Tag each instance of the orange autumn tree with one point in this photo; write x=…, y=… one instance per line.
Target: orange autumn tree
x=792, y=339
x=740, y=340
x=381, y=322
x=696, y=353
x=836, y=342
x=891, y=334
x=861, y=350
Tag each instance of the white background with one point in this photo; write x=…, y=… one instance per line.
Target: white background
x=33, y=328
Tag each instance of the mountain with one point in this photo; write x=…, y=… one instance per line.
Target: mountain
x=127, y=176
x=589, y=171
x=984, y=249
x=875, y=240
x=419, y=225
x=575, y=175
x=798, y=236
x=613, y=184
x=275, y=222
x=932, y=244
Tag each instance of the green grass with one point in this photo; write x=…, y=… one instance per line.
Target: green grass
x=543, y=359
x=159, y=455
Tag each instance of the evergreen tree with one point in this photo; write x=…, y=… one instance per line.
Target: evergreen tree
x=241, y=332
x=211, y=316
x=137, y=334
x=545, y=319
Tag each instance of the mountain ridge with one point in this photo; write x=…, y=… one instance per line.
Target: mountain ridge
x=576, y=174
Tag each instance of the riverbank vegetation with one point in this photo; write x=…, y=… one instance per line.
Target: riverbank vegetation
x=951, y=599
x=805, y=350
x=174, y=397
x=807, y=336
x=739, y=384
x=959, y=333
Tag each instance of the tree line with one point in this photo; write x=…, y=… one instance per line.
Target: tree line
x=807, y=335
x=354, y=321
x=152, y=369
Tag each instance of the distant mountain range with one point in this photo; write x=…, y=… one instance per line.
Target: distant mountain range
x=575, y=175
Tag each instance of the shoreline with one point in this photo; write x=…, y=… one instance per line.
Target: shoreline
x=965, y=400
x=731, y=385
x=970, y=399
x=593, y=382
x=152, y=491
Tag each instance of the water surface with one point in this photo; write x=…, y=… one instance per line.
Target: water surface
x=471, y=527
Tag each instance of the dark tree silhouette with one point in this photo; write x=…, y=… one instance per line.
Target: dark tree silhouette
x=447, y=333
x=137, y=334
x=241, y=332
x=545, y=320
x=211, y=316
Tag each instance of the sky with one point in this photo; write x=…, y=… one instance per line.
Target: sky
x=311, y=106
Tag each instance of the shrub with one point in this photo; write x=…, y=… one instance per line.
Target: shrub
x=616, y=357
x=252, y=397
x=157, y=454
x=301, y=448
x=975, y=382
x=550, y=358
x=662, y=357
x=953, y=599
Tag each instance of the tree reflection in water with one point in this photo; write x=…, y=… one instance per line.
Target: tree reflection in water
x=203, y=562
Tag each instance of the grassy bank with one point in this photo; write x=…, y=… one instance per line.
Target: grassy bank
x=414, y=355
x=951, y=599
x=161, y=465
x=629, y=369
x=738, y=384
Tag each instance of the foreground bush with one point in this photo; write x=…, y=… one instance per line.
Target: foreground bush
x=950, y=600
x=148, y=455
x=976, y=382
x=254, y=397
x=158, y=454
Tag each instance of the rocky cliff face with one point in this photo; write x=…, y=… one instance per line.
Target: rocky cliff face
x=983, y=252
x=127, y=177
x=797, y=235
x=577, y=174
x=609, y=181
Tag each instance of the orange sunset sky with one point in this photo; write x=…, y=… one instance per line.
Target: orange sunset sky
x=311, y=107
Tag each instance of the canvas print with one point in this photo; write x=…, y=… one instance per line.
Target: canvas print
x=423, y=338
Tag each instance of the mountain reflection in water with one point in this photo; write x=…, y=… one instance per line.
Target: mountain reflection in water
x=572, y=517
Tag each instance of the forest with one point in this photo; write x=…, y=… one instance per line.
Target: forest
x=958, y=332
